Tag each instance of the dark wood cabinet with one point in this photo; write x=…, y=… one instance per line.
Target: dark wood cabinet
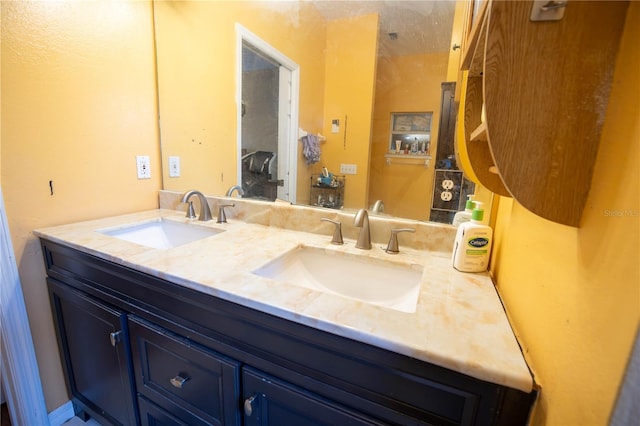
x=447, y=126
x=186, y=357
x=92, y=338
x=269, y=401
x=444, y=207
x=152, y=415
x=190, y=382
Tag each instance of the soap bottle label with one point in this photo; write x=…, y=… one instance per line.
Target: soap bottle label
x=477, y=253
x=471, y=253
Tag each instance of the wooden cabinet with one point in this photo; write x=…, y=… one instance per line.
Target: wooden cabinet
x=190, y=382
x=186, y=357
x=535, y=99
x=270, y=401
x=446, y=127
x=93, y=342
x=153, y=415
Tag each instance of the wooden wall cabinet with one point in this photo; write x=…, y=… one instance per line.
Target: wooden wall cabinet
x=535, y=101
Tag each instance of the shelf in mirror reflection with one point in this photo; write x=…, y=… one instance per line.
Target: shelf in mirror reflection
x=408, y=159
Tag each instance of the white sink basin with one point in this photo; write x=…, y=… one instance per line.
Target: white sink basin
x=161, y=233
x=373, y=281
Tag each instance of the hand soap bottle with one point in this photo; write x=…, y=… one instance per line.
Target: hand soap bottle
x=472, y=247
x=465, y=215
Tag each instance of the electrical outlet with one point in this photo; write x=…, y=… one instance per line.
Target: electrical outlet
x=348, y=169
x=447, y=184
x=446, y=196
x=174, y=166
x=144, y=166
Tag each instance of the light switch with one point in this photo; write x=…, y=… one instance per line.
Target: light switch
x=335, y=126
x=144, y=166
x=174, y=166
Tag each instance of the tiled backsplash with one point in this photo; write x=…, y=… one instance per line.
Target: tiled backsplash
x=436, y=238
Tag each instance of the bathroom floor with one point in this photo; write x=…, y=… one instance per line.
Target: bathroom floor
x=75, y=421
x=4, y=410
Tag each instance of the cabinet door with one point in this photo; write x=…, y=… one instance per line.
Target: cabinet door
x=269, y=401
x=93, y=341
x=152, y=415
x=191, y=383
x=447, y=126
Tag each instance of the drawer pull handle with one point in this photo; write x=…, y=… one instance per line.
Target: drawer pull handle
x=115, y=337
x=248, y=405
x=179, y=381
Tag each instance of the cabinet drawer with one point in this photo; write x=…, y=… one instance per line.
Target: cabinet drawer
x=270, y=401
x=190, y=382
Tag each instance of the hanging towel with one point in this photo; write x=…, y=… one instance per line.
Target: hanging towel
x=311, y=148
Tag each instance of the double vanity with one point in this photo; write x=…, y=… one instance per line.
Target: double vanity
x=162, y=319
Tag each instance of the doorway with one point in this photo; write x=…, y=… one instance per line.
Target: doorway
x=267, y=122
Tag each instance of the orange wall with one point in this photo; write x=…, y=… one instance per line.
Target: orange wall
x=405, y=84
x=78, y=104
x=573, y=294
x=196, y=61
x=350, y=75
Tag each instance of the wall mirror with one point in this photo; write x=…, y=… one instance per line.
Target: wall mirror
x=355, y=63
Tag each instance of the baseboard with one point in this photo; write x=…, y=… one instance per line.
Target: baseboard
x=61, y=414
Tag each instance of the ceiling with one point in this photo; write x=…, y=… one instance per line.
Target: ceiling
x=422, y=26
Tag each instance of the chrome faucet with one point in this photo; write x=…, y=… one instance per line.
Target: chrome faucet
x=235, y=188
x=378, y=207
x=392, y=247
x=361, y=220
x=205, y=211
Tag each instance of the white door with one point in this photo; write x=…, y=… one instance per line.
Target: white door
x=268, y=118
x=284, y=136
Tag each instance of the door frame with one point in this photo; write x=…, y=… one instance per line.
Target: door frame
x=20, y=373
x=244, y=35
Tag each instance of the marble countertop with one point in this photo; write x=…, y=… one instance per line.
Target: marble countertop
x=459, y=322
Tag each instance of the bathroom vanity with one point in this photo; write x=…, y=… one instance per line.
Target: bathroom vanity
x=189, y=335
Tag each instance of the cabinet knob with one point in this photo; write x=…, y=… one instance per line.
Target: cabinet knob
x=248, y=405
x=179, y=380
x=115, y=337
